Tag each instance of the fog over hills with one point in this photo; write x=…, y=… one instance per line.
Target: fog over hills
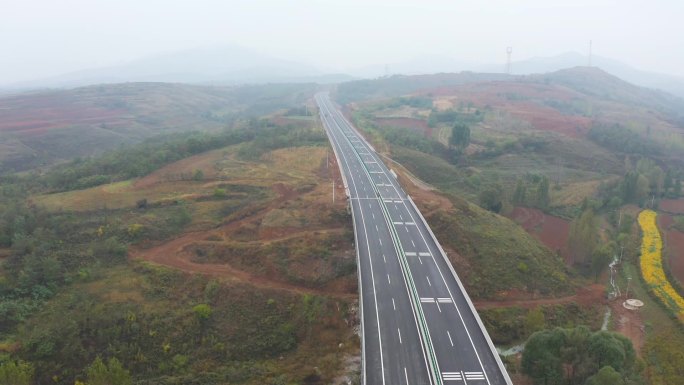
x=231, y=64
x=223, y=65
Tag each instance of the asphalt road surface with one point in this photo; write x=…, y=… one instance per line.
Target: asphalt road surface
x=419, y=326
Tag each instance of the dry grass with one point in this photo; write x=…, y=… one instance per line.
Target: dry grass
x=289, y=166
x=574, y=193
x=443, y=103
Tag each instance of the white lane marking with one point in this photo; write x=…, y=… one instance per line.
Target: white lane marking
x=401, y=217
x=460, y=316
x=380, y=241
x=375, y=295
x=409, y=224
x=399, y=331
x=398, y=223
x=450, y=340
x=444, y=300
x=406, y=228
x=438, y=308
x=383, y=258
x=424, y=254
x=388, y=279
x=452, y=376
x=474, y=376
x=428, y=279
x=405, y=375
x=393, y=304
x=427, y=300
x=420, y=260
x=413, y=243
x=409, y=254
x=376, y=228
x=374, y=217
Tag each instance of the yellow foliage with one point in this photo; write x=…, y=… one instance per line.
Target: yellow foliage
x=652, y=265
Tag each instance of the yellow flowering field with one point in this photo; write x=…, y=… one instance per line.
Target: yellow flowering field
x=652, y=265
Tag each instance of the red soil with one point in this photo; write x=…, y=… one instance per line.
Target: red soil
x=524, y=101
x=35, y=114
x=674, y=246
x=585, y=296
x=551, y=231
x=673, y=206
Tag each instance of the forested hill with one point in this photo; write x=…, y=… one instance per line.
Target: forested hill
x=42, y=128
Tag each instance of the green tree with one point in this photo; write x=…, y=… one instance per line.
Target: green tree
x=606, y=376
x=16, y=373
x=611, y=349
x=198, y=175
x=534, y=320
x=540, y=360
x=491, y=198
x=543, y=199
x=202, y=313
x=583, y=236
x=112, y=373
x=519, y=196
x=601, y=257
x=677, y=187
x=460, y=136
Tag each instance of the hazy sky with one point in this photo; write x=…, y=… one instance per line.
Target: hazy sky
x=40, y=38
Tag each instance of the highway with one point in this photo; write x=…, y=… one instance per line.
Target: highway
x=418, y=324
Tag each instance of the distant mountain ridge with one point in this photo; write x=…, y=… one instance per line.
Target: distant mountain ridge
x=669, y=83
x=226, y=65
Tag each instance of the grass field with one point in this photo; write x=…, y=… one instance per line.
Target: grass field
x=256, y=238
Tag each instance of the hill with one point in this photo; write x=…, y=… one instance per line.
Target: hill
x=42, y=128
x=226, y=65
x=228, y=266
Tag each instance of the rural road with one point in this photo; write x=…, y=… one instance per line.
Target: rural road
x=419, y=326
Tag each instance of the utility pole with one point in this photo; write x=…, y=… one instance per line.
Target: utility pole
x=619, y=220
x=509, y=51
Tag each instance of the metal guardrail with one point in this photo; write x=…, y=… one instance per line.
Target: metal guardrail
x=499, y=363
x=414, y=297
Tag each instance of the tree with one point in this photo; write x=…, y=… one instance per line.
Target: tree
x=490, y=199
x=606, y=376
x=583, y=236
x=16, y=373
x=202, y=313
x=198, y=175
x=112, y=373
x=543, y=198
x=611, y=349
x=571, y=356
x=540, y=358
x=460, y=136
x=601, y=257
x=519, y=196
x=534, y=320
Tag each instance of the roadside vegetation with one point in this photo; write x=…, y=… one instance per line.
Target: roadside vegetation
x=92, y=293
x=572, y=157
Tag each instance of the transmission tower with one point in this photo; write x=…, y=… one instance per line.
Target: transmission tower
x=509, y=51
